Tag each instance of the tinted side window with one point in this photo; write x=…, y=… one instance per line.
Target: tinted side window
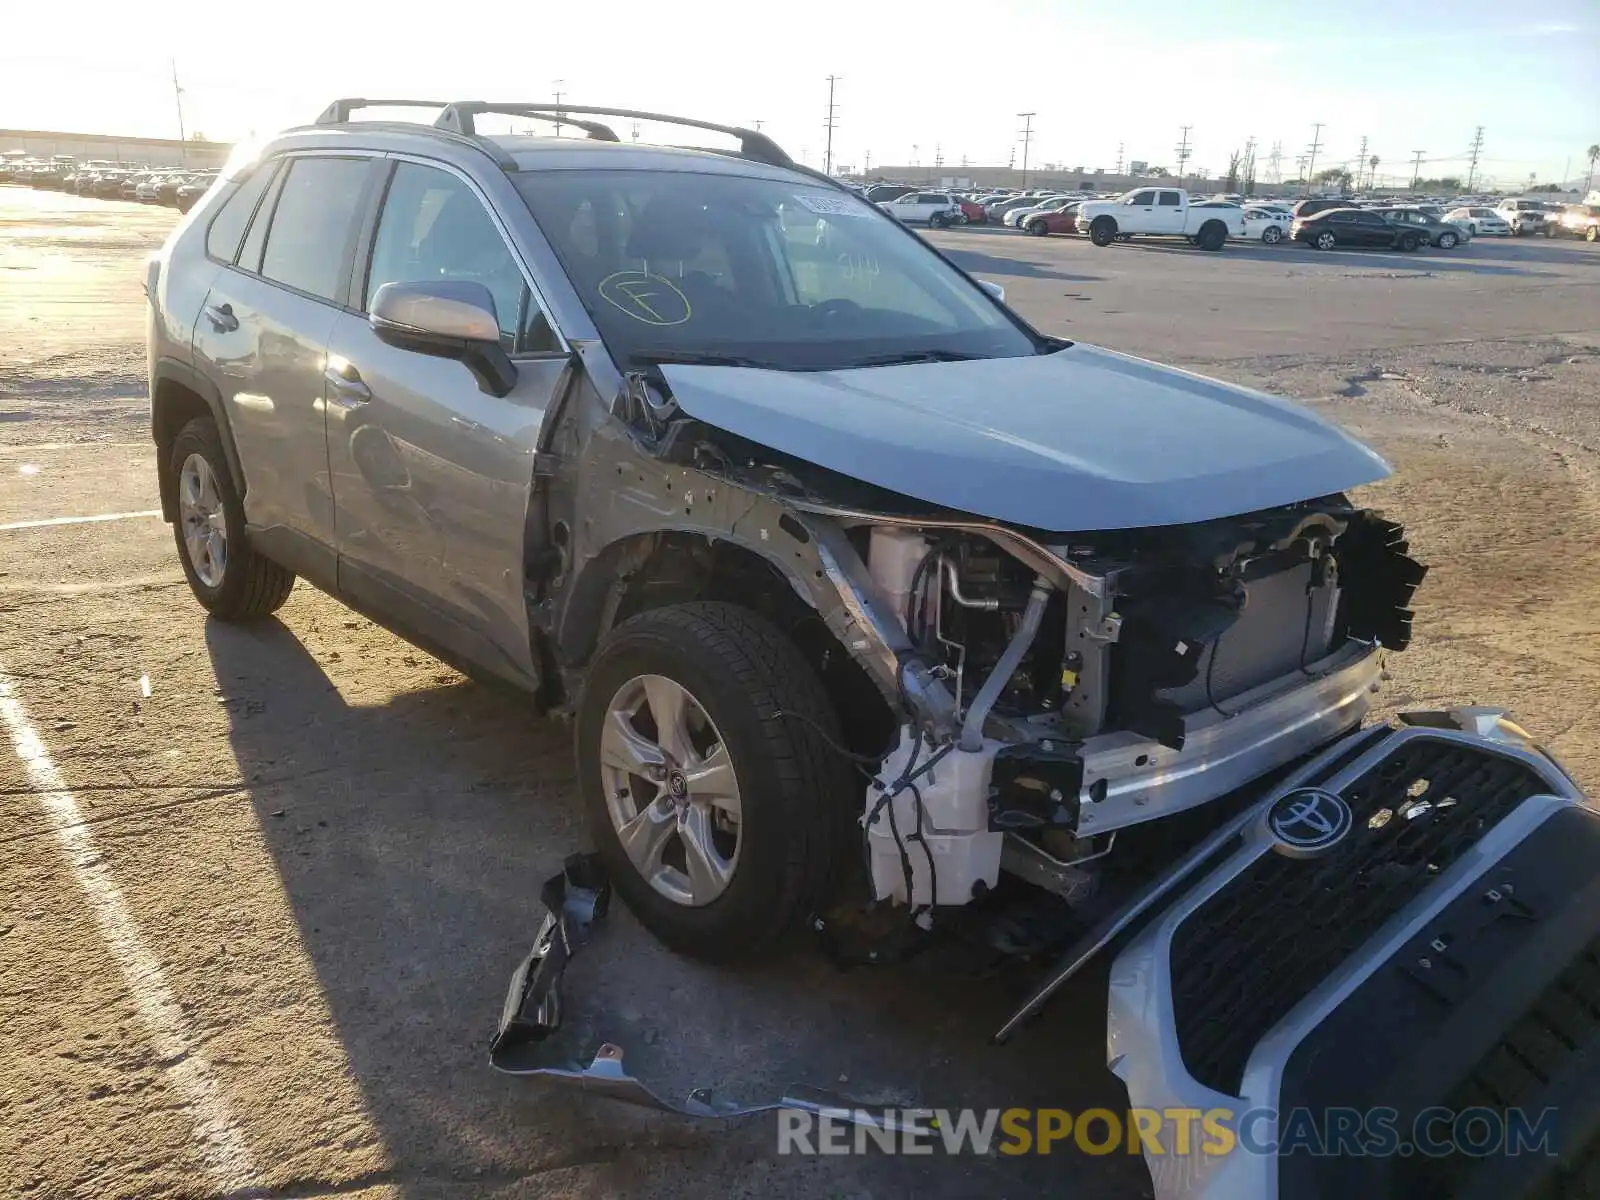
x=312, y=223
x=1342, y=218
x=1169, y=199
x=1144, y=198
x=227, y=227
x=250, y=252
x=434, y=227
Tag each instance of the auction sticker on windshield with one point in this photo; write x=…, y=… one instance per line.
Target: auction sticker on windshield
x=833, y=206
x=653, y=299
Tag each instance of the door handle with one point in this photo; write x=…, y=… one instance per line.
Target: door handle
x=222, y=318
x=345, y=386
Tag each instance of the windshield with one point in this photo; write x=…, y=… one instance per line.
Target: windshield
x=775, y=273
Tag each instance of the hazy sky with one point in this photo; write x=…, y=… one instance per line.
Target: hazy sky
x=943, y=77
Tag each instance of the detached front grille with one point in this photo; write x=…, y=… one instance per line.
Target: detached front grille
x=1256, y=948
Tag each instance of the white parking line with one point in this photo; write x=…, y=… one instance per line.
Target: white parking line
x=40, y=524
x=216, y=1132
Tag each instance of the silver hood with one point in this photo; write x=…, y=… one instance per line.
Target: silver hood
x=1081, y=439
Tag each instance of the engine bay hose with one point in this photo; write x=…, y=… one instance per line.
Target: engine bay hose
x=972, y=727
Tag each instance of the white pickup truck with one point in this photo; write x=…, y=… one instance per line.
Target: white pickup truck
x=1160, y=212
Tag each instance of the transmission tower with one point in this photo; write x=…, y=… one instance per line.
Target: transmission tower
x=1361, y=159
x=1274, y=160
x=1477, y=150
x=1119, y=158
x=827, y=154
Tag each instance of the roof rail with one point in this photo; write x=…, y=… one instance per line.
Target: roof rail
x=339, y=111
x=458, y=117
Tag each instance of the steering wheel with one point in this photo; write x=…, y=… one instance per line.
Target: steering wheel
x=836, y=309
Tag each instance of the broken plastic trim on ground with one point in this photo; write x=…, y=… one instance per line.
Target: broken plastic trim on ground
x=575, y=901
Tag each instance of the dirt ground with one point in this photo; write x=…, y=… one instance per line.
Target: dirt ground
x=326, y=847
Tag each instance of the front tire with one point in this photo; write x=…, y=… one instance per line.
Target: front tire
x=230, y=580
x=1038, y=228
x=1102, y=231
x=1592, y=234
x=716, y=805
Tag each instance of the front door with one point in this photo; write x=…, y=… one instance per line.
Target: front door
x=431, y=475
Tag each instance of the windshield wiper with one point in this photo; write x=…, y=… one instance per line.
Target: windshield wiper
x=692, y=358
x=914, y=356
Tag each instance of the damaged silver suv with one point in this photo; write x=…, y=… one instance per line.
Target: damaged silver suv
x=761, y=489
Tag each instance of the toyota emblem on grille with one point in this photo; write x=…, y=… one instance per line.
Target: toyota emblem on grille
x=1308, y=821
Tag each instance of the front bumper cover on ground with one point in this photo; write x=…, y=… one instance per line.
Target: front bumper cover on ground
x=575, y=901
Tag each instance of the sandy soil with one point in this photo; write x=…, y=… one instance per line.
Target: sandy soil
x=331, y=845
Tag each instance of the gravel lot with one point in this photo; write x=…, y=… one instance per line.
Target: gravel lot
x=330, y=845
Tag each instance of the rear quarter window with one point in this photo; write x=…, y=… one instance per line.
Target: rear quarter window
x=227, y=227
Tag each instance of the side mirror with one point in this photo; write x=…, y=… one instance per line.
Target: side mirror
x=993, y=288
x=446, y=319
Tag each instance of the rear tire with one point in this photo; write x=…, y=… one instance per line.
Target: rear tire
x=793, y=793
x=1213, y=236
x=1447, y=241
x=1409, y=242
x=938, y=221
x=1103, y=231
x=1592, y=234
x=1272, y=235
x=1325, y=240
x=238, y=585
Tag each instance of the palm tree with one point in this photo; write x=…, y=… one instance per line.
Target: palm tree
x=1594, y=155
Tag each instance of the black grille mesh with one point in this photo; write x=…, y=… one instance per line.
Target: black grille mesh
x=1251, y=952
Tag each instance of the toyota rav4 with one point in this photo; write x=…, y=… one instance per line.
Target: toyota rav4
x=709, y=454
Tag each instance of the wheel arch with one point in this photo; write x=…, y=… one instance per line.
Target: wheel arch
x=178, y=394
x=644, y=571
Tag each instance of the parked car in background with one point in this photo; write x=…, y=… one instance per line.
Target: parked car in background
x=189, y=193
x=1479, y=220
x=1524, y=216
x=1160, y=212
x=1318, y=204
x=1354, y=227
x=1578, y=220
x=147, y=190
x=1056, y=220
x=879, y=192
x=999, y=208
x=1444, y=234
x=936, y=209
x=971, y=211
x=1015, y=217
x=1269, y=225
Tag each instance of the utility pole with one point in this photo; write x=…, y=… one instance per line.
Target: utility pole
x=1311, y=153
x=827, y=154
x=1416, y=168
x=1477, y=149
x=1361, y=158
x=1274, y=160
x=559, y=84
x=1119, y=158
x=758, y=124
x=1183, y=150
x=636, y=131
x=1027, y=137
x=938, y=157
x=183, y=138
x=867, y=170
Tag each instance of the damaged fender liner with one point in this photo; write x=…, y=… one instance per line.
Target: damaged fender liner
x=575, y=901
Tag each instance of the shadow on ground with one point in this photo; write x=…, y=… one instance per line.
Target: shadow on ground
x=445, y=809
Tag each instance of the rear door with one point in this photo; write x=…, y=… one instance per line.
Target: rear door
x=1372, y=229
x=286, y=238
x=431, y=476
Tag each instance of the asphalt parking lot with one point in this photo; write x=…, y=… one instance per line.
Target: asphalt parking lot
x=321, y=850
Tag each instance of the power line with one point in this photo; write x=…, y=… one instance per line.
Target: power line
x=1027, y=138
x=827, y=154
x=1477, y=149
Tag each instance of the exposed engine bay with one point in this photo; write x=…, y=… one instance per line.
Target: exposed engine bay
x=1080, y=709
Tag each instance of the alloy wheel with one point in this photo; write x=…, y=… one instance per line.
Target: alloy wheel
x=670, y=790
x=205, y=525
